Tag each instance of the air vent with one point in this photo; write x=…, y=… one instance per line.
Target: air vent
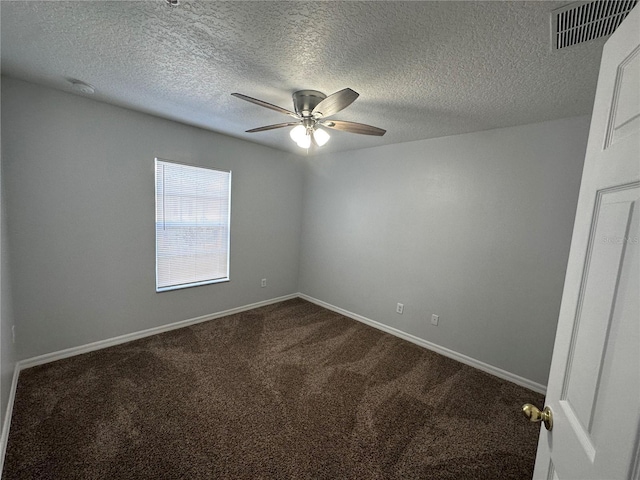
x=580, y=22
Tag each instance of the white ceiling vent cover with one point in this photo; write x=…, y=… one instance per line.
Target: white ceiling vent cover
x=580, y=22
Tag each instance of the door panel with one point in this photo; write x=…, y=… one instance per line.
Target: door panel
x=624, y=118
x=594, y=382
x=594, y=313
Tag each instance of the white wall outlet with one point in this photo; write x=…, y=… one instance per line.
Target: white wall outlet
x=263, y=282
x=400, y=308
x=435, y=319
x=13, y=333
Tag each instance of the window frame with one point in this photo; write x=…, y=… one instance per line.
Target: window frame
x=203, y=282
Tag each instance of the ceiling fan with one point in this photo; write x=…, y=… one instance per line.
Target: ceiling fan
x=311, y=110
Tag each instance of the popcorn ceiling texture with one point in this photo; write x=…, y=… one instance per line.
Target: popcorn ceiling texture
x=423, y=69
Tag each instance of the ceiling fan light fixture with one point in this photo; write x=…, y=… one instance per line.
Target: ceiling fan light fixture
x=298, y=133
x=305, y=142
x=321, y=137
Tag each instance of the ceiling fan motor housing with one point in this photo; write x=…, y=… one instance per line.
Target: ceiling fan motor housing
x=304, y=101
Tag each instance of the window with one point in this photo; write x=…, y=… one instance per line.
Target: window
x=192, y=225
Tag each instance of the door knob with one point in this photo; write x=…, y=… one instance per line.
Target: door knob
x=535, y=415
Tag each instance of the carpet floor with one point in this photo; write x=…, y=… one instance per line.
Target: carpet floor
x=286, y=391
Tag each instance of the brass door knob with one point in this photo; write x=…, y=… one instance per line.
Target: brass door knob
x=535, y=415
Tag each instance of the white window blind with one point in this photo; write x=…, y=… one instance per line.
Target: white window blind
x=192, y=225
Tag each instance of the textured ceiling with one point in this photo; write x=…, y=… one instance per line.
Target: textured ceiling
x=423, y=69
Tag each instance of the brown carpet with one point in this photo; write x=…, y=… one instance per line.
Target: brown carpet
x=287, y=391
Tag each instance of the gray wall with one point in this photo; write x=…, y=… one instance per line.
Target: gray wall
x=475, y=228
x=7, y=347
x=80, y=204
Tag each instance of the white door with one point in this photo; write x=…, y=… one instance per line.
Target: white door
x=594, y=384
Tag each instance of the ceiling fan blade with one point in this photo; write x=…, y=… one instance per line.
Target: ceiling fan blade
x=335, y=102
x=265, y=104
x=271, y=127
x=353, y=127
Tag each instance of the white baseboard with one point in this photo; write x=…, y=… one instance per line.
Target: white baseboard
x=70, y=352
x=90, y=347
x=485, y=367
x=4, y=436
x=99, y=345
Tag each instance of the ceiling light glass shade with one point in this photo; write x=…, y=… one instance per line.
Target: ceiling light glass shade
x=298, y=133
x=321, y=137
x=305, y=142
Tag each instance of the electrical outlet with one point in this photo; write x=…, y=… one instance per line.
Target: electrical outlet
x=400, y=308
x=263, y=282
x=435, y=319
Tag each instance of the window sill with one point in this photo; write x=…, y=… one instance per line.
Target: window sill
x=189, y=285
